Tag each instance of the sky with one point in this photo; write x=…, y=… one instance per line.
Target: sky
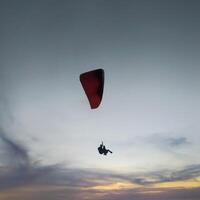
x=149, y=114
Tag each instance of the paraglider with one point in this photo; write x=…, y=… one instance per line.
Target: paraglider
x=93, y=85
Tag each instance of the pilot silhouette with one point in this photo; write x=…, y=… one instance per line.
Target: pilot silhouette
x=102, y=149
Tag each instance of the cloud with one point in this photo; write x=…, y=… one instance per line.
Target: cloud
x=162, y=176
x=16, y=153
x=167, y=141
x=19, y=169
x=156, y=194
x=26, y=178
x=177, y=141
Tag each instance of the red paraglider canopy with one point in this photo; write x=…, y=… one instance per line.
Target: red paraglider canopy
x=93, y=84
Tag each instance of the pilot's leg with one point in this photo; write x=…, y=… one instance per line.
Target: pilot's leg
x=110, y=151
x=105, y=152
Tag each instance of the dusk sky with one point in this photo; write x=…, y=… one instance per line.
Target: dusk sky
x=149, y=114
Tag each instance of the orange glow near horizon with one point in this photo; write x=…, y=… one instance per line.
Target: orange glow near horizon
x=125, y=185
x=100, y=188
x=186, y=184
x=115, y=186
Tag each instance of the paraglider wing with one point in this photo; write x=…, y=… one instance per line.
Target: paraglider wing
x=93, y=85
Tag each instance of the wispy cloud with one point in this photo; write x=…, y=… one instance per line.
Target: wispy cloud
x=16, y=153
x=177, y=141
x=18, y=168
x=168, y=141
x=21, y=175
x=189, y=172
